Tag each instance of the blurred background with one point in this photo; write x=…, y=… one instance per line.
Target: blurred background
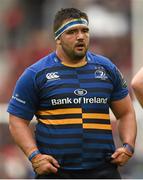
x=26, y=35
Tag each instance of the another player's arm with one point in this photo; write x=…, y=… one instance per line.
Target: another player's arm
x=137, y=85
x=125, y=114
x=23, y=136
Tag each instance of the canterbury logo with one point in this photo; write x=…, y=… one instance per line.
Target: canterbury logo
x=52, y=76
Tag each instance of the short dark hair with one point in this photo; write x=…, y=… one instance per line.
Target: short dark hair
x=67, y=13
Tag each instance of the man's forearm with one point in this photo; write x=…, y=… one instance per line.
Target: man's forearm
x=22, y=134
x=128, y=129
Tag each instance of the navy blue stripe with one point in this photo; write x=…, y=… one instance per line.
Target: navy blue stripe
x=60, y=147
x=67, y=25
x=63, y=91
x=65, y=142
x=97, y=110
x=98, y=131
x=60, y=116
x=75, y=130
x=59, y=136
x=98, y=146
x=95, y=135
x=99, y=121
x=94, y=80
x=99, y=141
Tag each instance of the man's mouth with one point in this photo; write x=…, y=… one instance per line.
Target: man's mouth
x=80, y=46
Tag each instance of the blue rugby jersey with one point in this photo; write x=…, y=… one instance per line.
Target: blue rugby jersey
x=71, y=105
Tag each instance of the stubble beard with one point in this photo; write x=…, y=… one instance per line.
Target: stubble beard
x=74, y=55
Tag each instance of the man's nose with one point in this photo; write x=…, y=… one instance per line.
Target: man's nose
x=80, y=35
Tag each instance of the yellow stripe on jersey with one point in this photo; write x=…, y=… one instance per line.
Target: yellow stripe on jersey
x=61, y=121
x=60, y=111
x=97, y=126
x=95, y=116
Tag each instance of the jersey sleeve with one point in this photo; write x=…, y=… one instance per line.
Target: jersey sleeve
x=120, y=86
x=24, y=100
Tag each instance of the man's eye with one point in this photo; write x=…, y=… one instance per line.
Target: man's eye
x=86, y=30
x=70, y=32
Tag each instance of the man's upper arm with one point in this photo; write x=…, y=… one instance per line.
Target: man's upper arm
x=122, y=107
x=17, y=121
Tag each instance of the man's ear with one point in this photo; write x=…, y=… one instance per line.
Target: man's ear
x=58, y=41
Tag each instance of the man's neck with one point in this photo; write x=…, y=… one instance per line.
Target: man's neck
x=67, y=61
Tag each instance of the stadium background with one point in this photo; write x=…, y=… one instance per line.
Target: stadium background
x=116, y=29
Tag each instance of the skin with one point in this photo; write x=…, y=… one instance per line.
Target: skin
x=71, y=48
x=137, y=85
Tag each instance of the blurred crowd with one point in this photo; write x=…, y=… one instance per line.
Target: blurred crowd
x=26, y=35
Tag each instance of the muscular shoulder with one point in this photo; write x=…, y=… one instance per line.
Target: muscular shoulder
x=101, y=60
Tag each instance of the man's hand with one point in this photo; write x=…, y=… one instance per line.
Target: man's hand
x=44, y=164
x=121, y=156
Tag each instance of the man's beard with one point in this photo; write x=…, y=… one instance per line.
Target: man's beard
x=78, y=56
x=74, y=55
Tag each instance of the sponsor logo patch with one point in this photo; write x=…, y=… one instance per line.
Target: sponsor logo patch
x=80, y=92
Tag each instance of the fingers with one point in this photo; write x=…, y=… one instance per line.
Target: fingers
x=53, y=161
x=120, y=156
x=45, y=169
x=45, y=164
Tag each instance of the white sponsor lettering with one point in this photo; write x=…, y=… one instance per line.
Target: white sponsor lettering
x=61, y=101
x=77, y=100
x=94, y=100
x=18, y=99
